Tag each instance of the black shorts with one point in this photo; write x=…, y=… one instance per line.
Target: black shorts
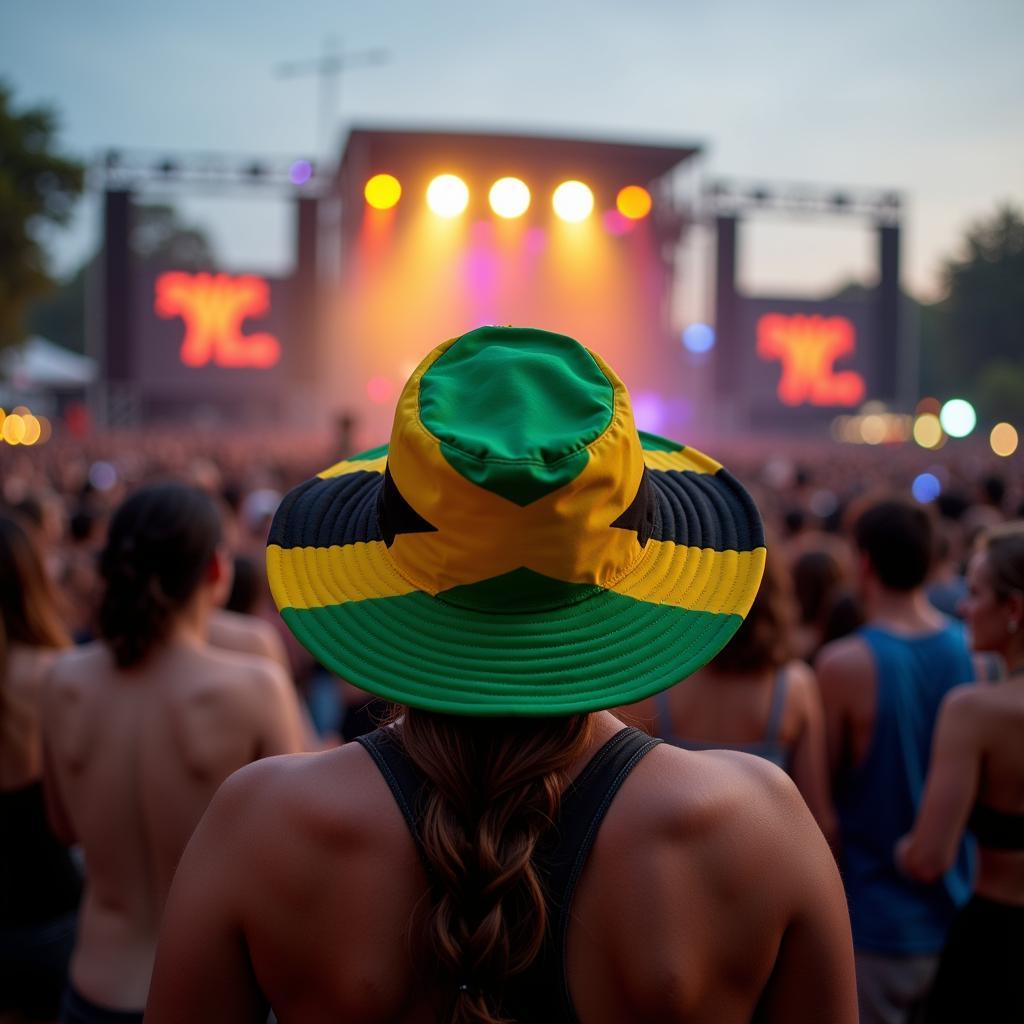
x=980, y=975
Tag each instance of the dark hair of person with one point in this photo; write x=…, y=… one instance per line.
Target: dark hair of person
x=494, y=789
x=28, y=601
x=898, y=538
x=816, y=574
x=994, y=489
x=845, y=615
x=1004, y=549
x=161, y=542
x=765, y=639
x=245, y=586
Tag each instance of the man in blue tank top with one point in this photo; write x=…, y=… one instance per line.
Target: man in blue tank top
x=882, y=688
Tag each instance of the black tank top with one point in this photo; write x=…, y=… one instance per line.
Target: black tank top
x=541, y=994
x=38, y=879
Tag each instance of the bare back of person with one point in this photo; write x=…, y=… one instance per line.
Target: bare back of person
x=707, y=892
x=992, y=721
x=134, y=758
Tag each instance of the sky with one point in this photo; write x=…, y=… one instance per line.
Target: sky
x=922, y=96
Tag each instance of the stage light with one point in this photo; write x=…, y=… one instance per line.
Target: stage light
x=300, y=172
x=13, y=430
x=633, y=202
x=102, y=475
x=958, y=417
x=383, y=191
x=509, y=198
x=928, y=430
x=928, y=405
x=926, y=487
x=447, y=195
x=699, y=338
x=573, y=201
x=1004, y=439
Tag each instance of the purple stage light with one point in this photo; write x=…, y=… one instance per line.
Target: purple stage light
x=300, y=172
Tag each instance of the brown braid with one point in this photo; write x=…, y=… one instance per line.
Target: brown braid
x=495, y=788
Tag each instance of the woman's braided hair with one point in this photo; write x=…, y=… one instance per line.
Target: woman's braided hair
x=494, y=791
x=161, y=542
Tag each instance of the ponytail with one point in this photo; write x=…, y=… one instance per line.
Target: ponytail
x=160, y=544
x=495, y=786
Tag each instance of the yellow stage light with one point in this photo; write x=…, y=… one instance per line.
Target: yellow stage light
x=509, y=198
x=1004, y=439
x=447, y=195
x=928, y=430
x=573, y=201
x=633, y=202
x=13, y=428
x=383, y=191
x=873, y=428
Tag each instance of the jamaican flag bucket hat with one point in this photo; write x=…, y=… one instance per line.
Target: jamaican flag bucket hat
x=518, y=548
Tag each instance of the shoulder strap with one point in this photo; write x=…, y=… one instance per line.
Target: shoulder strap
x=584, y=806
x=771, y=732
x=406, y=784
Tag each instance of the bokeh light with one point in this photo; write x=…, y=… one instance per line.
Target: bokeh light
x=13, y=430
x=633, y=202
x=45, y=429
x=383, y=191
x=102, y=475
x=873, y=428
x=300, y=172
x=33, y=430
x=928, y=430
x=1004, y=439
x=926, y=405
x=447, y=195
x=509, y=198
x=573, y=201
x=699, y=338
x=380, y=390
x=926, y=487
x=958, y=417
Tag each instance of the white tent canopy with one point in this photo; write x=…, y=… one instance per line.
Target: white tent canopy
x=38, y=364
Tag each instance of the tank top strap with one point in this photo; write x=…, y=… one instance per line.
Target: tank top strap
x=404, y=781
x=778, y=705
x=561, y=858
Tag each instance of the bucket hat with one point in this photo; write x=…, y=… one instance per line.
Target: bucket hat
x=518, y=548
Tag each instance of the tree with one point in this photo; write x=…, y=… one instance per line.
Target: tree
x=159, y=240
x=38, y=188
x=981, y=333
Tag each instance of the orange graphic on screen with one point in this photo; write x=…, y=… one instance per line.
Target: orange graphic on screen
x=808, y=347
x=214, y=307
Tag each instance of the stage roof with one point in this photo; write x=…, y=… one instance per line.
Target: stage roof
x=540, y=158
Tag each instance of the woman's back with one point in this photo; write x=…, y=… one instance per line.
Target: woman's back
x=135, y=757
x=663, y=925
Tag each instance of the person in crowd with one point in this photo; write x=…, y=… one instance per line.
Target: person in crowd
x=506, y=850
x=817, y=582
x=882, y=687
x=39, y=885
x=976, y=781
x=756, y=697
x=142, y=727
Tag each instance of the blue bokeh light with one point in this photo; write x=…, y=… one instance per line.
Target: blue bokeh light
x=926, y=487
x=699, y=338
x=301, y=171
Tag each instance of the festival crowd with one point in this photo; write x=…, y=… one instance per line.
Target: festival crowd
x=143, y=663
